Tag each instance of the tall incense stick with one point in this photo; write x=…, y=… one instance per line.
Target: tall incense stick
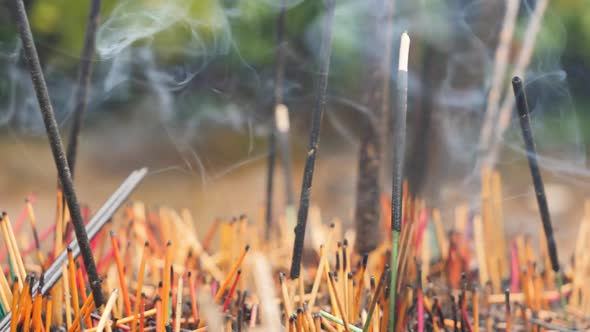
x=278, y=99
x=63, y=171
x=84, y=74
x=399, y=149
x=527, y=134
x=314, y=140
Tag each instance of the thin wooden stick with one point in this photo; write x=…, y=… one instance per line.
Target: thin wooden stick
x=107, y=310
x=376, y=296
x=72, y=282
x=347, y=327
x=67, y=295
x=285, y=296
x=11, y=252
x=339, y=302
x=178, y=304
x=7, y=294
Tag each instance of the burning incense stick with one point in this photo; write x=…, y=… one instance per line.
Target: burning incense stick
x=527, y=134
x=314, y=140
x=278, y=99
x=63, y=170
x=399, y=125
x=84, y=75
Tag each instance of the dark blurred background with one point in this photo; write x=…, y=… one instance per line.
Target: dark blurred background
x=185, y=88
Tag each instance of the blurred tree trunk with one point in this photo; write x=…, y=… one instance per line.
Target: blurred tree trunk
x=376, y=98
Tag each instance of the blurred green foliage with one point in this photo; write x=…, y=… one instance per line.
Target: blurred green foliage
x=59, y=26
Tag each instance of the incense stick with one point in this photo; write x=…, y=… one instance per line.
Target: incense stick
x=527, y=134
x=51, y=128
x=82, y=90
x=399, y=125
x=314, y=140
x=281, y=111
x=278, y=99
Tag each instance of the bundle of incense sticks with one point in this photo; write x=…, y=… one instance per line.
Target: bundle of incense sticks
x=158, y=274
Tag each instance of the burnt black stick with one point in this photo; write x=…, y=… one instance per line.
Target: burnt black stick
x=82, y=90
x=527, y=135
x=314, y=139
x=63, y=170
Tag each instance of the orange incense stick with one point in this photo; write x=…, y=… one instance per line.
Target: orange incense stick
x=81, y=313
x=166, y=281
x=4, y=299
x=122, y=281
x=19, y=259
x=11, y=252
x=37, y=324
x=72, y=280
x=141, y=277
x=32, y=220
x=22, y=300
x=81, y=283
x=15, y=313
x=159, y=315
x=142, y=314
x=15, y=297
x=231, y=274
x=338, y=302
x=48, y=313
